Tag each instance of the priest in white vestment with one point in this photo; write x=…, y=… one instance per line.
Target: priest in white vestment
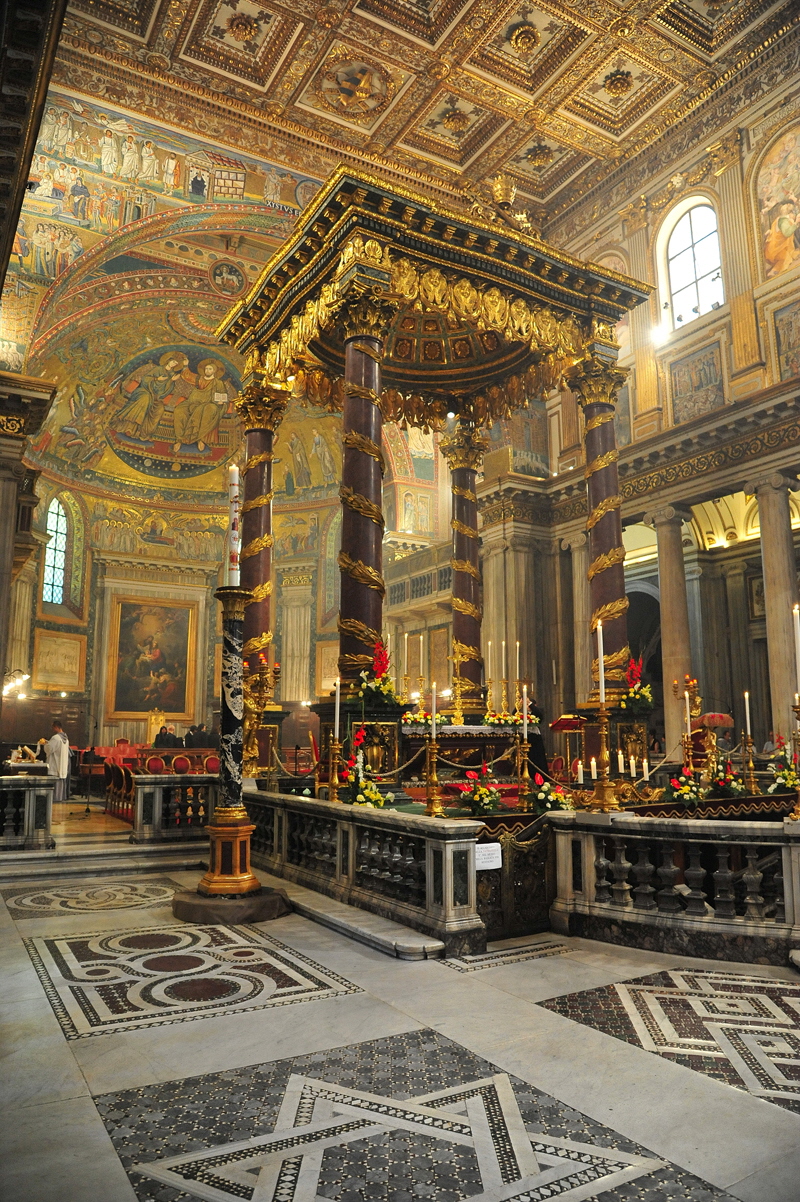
x=56, y=749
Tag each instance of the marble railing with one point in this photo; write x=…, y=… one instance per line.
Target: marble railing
x=170, y=806
x=26, y=812
x=715, y=889
x=416, y=870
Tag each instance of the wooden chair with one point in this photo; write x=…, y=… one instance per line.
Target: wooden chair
x=557, y=767
x=211, y=763
x=128, y=794
x=155, y=765
x=181, y=764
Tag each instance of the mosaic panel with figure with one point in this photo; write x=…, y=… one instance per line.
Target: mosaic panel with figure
x=787, y=334
x=698, y=385
x=778, y=193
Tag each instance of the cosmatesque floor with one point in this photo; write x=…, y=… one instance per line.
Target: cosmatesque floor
x=281, y=1062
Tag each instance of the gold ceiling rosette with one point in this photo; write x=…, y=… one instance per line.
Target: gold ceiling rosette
x=475, y=314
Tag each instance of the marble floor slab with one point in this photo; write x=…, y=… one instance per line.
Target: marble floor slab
x=744, y=1031
x=76, y=897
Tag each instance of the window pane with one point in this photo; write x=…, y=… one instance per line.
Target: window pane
x=710, y=292
x=681, y=271
x=682, y=305
x=706, y=255
x=704, y=221
x=681, y=237
x=55, y=553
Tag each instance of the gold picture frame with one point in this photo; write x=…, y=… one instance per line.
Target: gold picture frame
x=59, y=661
x=152, y=657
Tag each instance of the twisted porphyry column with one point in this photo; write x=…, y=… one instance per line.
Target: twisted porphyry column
x=464, y=450
x=365, y=321
x=261, y=408
x=596, y=384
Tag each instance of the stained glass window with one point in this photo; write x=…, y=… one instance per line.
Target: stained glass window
x=55, y=556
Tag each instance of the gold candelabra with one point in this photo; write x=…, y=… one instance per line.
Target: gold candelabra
x=489, y=694
x=604, y=797
x=748, y=767
x=504, y=695
x=334, y=752
x=406, y=683
x=523, y=774
x=517, y=697
x=433, y=807
x=421, y=691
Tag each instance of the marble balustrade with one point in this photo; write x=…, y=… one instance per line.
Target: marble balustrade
x=172, y=806
x=416, y=870
x=714, y=889
x=26, y=813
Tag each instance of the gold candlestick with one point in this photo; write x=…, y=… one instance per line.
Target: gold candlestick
x=458, y=659
x=604, y=797
x=796, y=732
x=421, y=691
x=504, y=695
x=688, y=753
x=433, y=808
x=406, y=683
x=750, y=782
x=489, y=694
x=517, y=697
x=523, y=775
x=334, y=751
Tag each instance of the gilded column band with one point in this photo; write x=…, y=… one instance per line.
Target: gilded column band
x=464, y=450
x=596, y=383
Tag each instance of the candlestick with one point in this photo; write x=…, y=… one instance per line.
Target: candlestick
x=580, y=772
x=336, y=711
x=334, y=752
x=503, y=665
x=645, y=770
x=517, y=676
x=593, y=767
x=524, y=711
x=746, y=714
x=433, y=706
x=633, y=768
x=405, y=654
x=621, y=763
x=489, y=660
x=601, y=664
x=234, y=537
x=421, y=659
x=433, y=807
x=689, y=713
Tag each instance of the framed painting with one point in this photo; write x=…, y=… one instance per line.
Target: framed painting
x=152, y=657
x=698, y=386
x=59, y=661
x=327, y=667
x=755, y=597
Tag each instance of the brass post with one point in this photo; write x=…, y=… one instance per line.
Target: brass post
x=433, y=808
x=750, y=769
x=604, y=797
x=334, y=753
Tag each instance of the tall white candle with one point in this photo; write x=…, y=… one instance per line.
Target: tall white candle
x=621, y=763
x=504, y=675
x=336, y=711
x=433, y=708
x=234, y=537
x=747, y=714
x=405, y=654
x=645, y=770
x=517, y=675
x=796, y=617
x=580, y=772
x=524, y=710
x=633, y=768
x=593, y=767
x=601, y=664
x=489, y=660
x=689, y=713
x=421, y=655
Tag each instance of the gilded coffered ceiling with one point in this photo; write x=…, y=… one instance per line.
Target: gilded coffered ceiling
x=447, y=92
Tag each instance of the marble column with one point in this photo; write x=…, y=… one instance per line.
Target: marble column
x=232, y=697
x=21, y=620
x=464, y=450
x=578, y=546
x=261, y=408
x=10, y=477
x=365, y=323
x=676, y=652
x=780, y=590
x=595, y=384
x=296, y=609
x=738, y=638
x=643, y=317
x=734, y=221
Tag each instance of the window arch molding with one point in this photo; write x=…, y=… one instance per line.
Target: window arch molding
x=63, y=563
x=663, y=237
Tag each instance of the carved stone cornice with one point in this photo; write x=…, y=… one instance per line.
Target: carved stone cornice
x=262, y=406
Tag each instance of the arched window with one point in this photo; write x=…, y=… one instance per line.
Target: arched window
x=694, y=267
x=55, y=556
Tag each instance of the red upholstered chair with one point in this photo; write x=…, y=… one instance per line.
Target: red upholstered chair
x=155, y=765
x=211, y=763
x=574, y=767
x=122, y=742
x=557, y=767
x=181, y=764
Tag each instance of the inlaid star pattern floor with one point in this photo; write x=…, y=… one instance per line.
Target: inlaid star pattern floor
x=149, y=976
x=744, y=1031
x=78, y=898
x=392, y=1120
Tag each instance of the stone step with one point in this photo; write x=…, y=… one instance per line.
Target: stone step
x=103, y=859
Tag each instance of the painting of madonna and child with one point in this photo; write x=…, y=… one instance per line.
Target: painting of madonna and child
x=152, y=658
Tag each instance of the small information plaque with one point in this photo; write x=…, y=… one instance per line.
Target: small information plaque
x=488, y=855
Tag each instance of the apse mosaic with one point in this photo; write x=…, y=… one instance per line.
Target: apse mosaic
x=778, y=196
x=125, y=980
x=411, y=1116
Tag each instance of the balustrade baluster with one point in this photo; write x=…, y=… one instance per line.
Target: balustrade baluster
x=374, y=854
x=752, y=877
x=695, y=874
x=780, y=896
x=724, y=897
x=621, y=890
x=386, y=858
x=602, y=888
x=668, y=873
x=362, y=854
x=643, y=873
x=397, y=860
x=5, y=813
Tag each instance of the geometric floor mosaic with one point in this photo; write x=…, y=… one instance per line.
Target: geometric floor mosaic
x=508, y=955
x=151, y=976
x=390, y=1120
x=744, y=1031
x=84, y=899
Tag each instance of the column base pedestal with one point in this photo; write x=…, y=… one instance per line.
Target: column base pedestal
x=253, y=907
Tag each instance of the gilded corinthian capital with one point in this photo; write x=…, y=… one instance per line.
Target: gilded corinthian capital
x=465, y=447
x=596, y=382
x=262, y=406
x=367, y=315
